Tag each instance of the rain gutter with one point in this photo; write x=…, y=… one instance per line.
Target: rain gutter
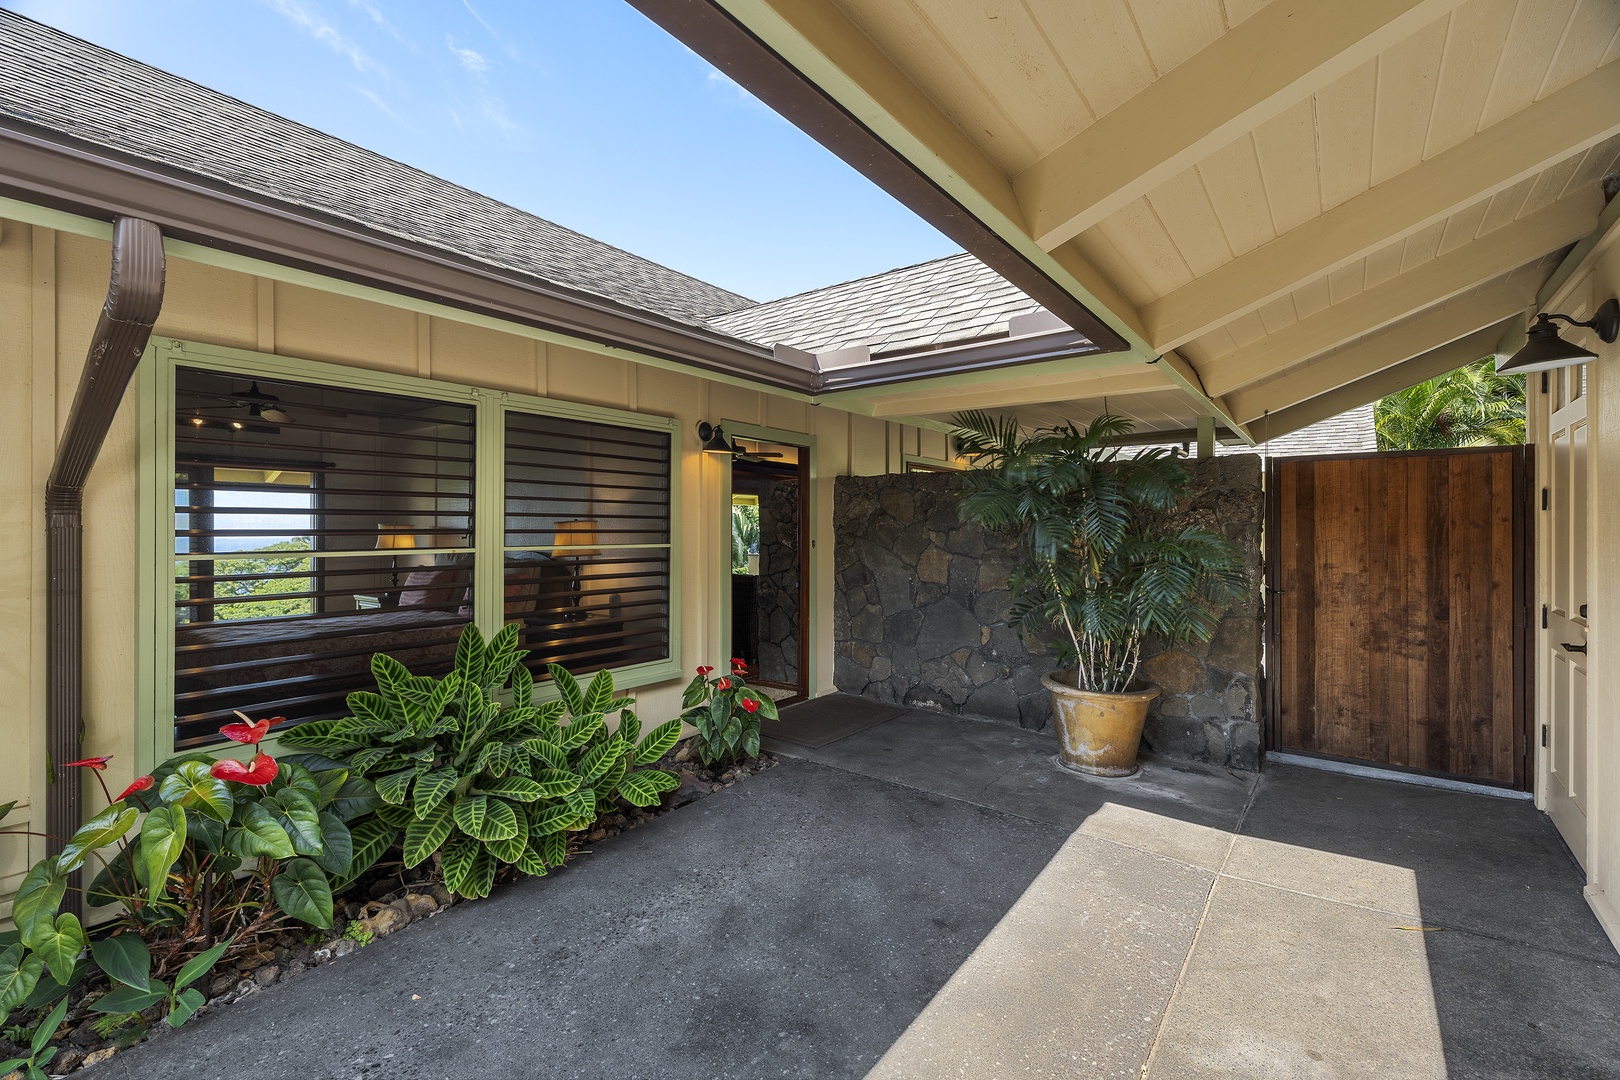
x=134, y=298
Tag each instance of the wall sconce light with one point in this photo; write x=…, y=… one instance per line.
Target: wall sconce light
x=1544, y=349
x=714, y=440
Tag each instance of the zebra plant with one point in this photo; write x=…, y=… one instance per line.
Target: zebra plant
x=483, y=783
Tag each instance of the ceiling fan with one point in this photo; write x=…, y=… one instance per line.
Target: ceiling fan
x=263, y=406
x=742, y=453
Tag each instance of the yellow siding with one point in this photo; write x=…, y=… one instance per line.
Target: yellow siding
x=52, y=286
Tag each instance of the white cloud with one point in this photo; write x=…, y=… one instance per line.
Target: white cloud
x=317, y=27
x=499, y=39
x=376, y=15
x=383, y=105
x=471, y=59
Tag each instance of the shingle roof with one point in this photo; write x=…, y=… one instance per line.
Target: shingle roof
x=60, y=82
x=949, y=299
x=1351, y=432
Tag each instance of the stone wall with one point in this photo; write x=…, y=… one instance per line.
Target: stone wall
x=921, y=603
x=779, y=581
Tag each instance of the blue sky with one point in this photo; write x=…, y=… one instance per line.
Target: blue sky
x=580, y=111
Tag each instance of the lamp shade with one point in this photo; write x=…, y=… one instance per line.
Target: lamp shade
x=714, y=439
x=394, y=537
x=1544, y=350
x=576, y=538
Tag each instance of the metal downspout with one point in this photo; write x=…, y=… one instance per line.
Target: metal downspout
x=134, y=297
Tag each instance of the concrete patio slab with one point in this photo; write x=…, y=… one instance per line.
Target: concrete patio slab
x=936, y=898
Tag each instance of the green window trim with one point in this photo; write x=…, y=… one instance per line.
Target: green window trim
x=155, y=508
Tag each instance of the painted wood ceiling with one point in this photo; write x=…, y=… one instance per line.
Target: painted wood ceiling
x=1263, y=191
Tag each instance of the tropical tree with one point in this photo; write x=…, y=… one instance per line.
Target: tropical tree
x=1472, y=406
x=744, y=536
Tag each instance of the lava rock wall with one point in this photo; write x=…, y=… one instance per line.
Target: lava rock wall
x=921, y=602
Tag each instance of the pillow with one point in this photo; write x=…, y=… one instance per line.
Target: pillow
x=430, y=588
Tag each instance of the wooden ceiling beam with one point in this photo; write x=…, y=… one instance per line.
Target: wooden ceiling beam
x=1523, y=144
x=1461, y=320
x=1389, y=380
x=1277, y=57
x=1047, y=390
x=1492, y=255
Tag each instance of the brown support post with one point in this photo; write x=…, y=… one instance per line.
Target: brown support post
x=134, y=297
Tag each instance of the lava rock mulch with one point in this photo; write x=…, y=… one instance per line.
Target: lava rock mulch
x=382, y=901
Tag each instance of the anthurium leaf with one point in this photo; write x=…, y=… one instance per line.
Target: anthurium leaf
x=330, y=782
x=199, y=965
x=39, y=895
x=356, y=798
x=696, y=691
x=59, y=944
x=767, y=709
x=163, y=839
x=567, y=688
x=125, y=959
x=130, y=999
x=645, y=786
x=258, y=834
x=581, y=731
x=46, y=991
x=517, y=788
x=103, y=829
x=659, y=741
x=371, y=837
x=511, y=849
x=186, y=1003
x=192, y=786
x=431, y=789
x=300, y=779
x=5, y=808
x=555, y=783
x=19, y=973
x=337, y=845
x=295, y=812
x=303, y=892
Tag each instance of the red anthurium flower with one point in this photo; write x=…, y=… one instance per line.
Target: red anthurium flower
x=723, y=684
x=704, y=671
x=738, y=664
x=142, y=783
x=96, y=763
x=259, y=773
x=249, y=731
x=750, y=706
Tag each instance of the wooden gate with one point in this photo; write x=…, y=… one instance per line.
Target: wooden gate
x=1397, y=611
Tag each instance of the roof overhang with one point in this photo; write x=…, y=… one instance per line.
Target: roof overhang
x=1244, y=196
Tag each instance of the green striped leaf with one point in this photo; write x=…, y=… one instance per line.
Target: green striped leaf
x=485, y=818
x=547, y=751
x=432, y=789
x=645, y=787
x=567, y=688
x=517, y=788
x=581, y=731
x=460, y=861
x=426, y=835
x=599, y=692
x=392, y=788
x=554, y=848
x=608, y=781
x=659, y=741
x=551, y=819
x=598, y=759
x=583, y=803
x=512, y=848
x=371, y=839
x=470, y=658
x=555, y=783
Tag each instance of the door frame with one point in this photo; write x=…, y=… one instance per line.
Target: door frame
x=809, y=622
x=1526, y=639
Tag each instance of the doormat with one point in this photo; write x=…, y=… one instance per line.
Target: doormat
x=823, y=720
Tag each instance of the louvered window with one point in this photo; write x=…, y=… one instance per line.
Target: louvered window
x=587, y=541
x=314, y=526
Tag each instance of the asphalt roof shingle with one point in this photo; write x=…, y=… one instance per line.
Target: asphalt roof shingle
x=955, y=298
x=68, y=85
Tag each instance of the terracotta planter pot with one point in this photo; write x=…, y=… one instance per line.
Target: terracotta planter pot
x=1097, y=733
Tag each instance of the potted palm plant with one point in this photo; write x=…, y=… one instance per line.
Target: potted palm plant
x=1103, y=568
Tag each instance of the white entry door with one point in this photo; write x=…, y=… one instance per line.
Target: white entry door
x=1564, y=704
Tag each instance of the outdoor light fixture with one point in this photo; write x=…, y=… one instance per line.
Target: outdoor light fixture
x=1544, y=349
x=714, y=439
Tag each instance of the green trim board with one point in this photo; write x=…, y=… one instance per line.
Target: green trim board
x=154, y=631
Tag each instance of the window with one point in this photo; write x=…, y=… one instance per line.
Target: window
x=587, y=541
x=313, y=526
x=323, y=514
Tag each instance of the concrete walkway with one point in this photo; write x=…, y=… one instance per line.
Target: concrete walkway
x=933, y=898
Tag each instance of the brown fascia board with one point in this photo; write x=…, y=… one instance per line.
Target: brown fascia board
x=717, y=37
x=44, y=167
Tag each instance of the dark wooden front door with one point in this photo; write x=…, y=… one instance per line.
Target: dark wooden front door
x=1397, y=610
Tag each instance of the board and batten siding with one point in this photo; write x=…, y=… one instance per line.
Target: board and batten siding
x=52, y=286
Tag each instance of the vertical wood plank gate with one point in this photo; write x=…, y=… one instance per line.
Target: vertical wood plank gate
x=1397, y=611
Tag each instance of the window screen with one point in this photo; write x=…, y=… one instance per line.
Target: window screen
x=314, y=526
x=587, y=542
